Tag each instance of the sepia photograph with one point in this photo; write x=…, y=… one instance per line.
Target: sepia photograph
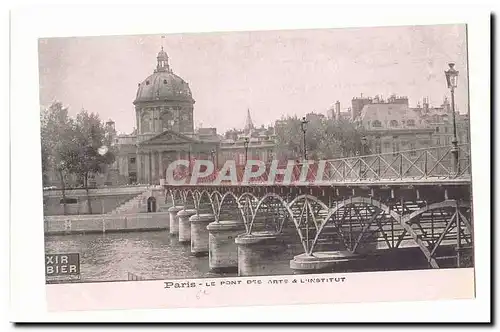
x=255, y=153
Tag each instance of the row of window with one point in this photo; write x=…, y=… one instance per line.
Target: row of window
x=164, y=82
x=164, y=109
x=395, y=147
x=445, y=129
x=392, y=123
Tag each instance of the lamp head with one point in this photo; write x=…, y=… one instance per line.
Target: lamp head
x=451, y=76
x=303, y=124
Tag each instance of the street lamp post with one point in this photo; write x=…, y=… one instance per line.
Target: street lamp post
x=452, y=81
x=213, y=156
x=364, y=142
x=245, y=143
x=303, y=126
x=189, y=160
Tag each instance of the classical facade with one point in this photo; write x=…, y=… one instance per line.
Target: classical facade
x=392, y=126
x=164, y=110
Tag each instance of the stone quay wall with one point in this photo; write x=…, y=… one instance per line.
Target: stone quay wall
x=104, y=223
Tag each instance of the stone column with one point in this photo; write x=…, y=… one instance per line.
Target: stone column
x=324, y=261
x=174, y=220
x=153, y=167
x=138, y=120
x=199, y=233
x=125, y=166
x=223, y=252
x=147, y=168
x=259, y=251
x=138, y=161
x=160, y=166
x=185, y=225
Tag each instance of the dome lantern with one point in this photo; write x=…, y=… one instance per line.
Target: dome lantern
x=162, y=61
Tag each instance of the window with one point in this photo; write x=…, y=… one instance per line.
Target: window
x=376, y=124
x=438, y=141
x=413, y=153
x=437, y=129
x=147, y=82
x=132, y=177
x=445, y=129
x=69, y=200
x=395, y=147
x=132, y=160
x=410, y=123
x=395, y=144
x=378, y=145
x=393, y=123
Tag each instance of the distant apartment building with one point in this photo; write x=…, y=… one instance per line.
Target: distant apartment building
x=391, y=126
x=440, y=119
x=250, y=143
x=335, y=112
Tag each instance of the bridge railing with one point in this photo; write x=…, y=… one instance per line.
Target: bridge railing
x=426, y=163
x=435, y=162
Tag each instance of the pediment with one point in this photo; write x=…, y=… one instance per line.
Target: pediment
x=168, y=137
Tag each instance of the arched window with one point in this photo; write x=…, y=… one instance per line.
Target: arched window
x=410, y=123
x=146, y=123
x=167, y=120
x=376, y=124
x=393, y=123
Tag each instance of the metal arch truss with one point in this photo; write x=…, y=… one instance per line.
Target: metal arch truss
x=442, y=231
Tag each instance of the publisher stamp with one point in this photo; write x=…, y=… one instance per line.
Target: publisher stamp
x=62, y=266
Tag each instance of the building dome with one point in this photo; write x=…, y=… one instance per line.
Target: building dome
x=163, y=84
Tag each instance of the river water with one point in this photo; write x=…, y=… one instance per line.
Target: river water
x=158, y=255
x=149, y=255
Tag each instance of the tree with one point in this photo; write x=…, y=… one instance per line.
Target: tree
x=56, y=132
x=325, y=139
x=347, y=137
x=89, y=151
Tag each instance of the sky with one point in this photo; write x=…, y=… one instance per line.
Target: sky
x=272, y=73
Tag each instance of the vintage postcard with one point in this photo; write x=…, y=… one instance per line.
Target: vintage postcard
x=257, y=167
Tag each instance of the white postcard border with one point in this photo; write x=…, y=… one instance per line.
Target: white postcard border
x=28, y=293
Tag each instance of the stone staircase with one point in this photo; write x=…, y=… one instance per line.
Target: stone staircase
x=134, y=205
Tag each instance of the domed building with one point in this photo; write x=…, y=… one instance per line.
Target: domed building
x=164, y=109
x=163, y=102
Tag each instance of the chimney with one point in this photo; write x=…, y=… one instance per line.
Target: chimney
x=337, y=109
x=426, y=105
